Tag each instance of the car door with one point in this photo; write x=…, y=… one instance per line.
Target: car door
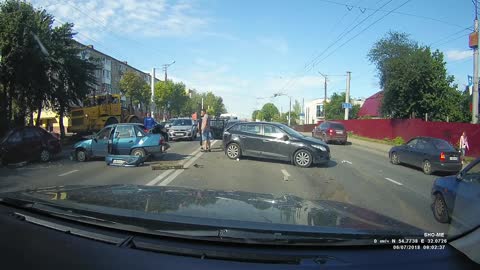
x=467, y=199
x=100, y=142
x=32, y=143
x=251, y=139
x=12, y=147
x=124, y=139
x=274, y=144
x=419, y=153
x=406, y=152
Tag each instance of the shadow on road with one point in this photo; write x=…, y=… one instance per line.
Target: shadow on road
x=336, y=143
x=441, y=174
x=330, y=164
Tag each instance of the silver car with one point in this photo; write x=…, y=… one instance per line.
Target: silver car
x=183, y=128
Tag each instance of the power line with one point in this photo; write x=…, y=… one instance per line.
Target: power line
x=397, y=12
x=292, y=81
x=448, y=37
x=365, y=29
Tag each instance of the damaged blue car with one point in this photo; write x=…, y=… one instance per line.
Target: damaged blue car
x=120, y=139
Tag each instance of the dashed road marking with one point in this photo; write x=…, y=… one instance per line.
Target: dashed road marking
x=286, y=175
x=67, y=173
x=188, y=162
x=393, y=181
x=167, y=176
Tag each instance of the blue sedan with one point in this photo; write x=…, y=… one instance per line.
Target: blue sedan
x=119, y=139
x=456, y=198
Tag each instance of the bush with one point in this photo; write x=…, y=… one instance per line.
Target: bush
x=398, y=141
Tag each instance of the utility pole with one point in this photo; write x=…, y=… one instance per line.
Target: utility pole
x=165, y=68
x=325, y=96
x=473, y=42
x=289, y=110
x=347, y=94
x=153, y=93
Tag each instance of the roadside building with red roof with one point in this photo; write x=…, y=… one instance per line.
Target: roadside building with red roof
x=371, y=106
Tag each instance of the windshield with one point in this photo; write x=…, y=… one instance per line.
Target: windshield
x=182, y=122
x=331, y=115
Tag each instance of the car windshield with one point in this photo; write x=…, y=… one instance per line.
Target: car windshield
x=333, y=116
x=182, y=122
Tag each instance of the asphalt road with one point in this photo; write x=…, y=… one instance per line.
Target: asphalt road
x=355, y=175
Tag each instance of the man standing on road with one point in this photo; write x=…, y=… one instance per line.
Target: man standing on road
x=463, y=145
x=205, y=131
x=149, y=122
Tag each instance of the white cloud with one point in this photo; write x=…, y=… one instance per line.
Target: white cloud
x=277, y=44
x=95, y=18
x=456, y=55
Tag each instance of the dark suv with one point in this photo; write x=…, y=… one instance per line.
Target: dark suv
x=330, y=132
x=274, y=141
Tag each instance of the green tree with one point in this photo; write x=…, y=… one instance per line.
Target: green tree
x=171, y=97
x=334, y=108
x=415, y=80
x=255, y=115
x=133, y=87
x=269, y=111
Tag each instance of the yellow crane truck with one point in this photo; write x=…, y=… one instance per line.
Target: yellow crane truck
x=100, y=111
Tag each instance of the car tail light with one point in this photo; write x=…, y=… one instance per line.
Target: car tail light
x=331, y=131
x=442, y=156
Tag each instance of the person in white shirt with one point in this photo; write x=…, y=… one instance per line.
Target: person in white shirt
x=464, y=145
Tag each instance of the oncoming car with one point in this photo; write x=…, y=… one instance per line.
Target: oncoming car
x=274, y=141
x=127, y=139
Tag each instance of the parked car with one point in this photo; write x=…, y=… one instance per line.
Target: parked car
x=455, y=198
x=430, y=154
x=119, y=139
x=28, y=144
x=330, y=132
x=183, y=128
x=274, y=141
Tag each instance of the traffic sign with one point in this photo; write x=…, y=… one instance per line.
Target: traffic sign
x=346, y=105
x=302, y=114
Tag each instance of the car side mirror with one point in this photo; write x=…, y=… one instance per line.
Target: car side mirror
x=285, y=138
x=95, y=139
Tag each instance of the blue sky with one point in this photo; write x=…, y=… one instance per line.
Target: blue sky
x=245, y=50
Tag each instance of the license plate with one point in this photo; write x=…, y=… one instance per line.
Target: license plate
x=339, y=131
x=180, y=134
x=118, y=162
x=453, y=158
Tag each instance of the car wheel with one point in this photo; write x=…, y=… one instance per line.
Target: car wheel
x=394, y=159
x=81, y=155
x=302, y=158
x=45, y=155
x=440, y=210
x=139, y=152
x=427, y=167
x=233, y=151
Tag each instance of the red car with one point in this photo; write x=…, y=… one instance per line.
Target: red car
x=27, y=144
x=330, y=132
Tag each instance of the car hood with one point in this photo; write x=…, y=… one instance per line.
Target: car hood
x=85, y=142
x=180, y=127
x=218, y=208
x=312, y=140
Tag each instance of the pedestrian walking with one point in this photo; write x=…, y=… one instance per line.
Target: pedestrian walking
x=205, y=128
x=199, y=128
x=463, y=145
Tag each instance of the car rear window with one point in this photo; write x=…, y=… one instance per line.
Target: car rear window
x=442, y=145
x=337, y=126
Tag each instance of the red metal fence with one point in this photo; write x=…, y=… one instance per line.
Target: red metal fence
x=408, y=128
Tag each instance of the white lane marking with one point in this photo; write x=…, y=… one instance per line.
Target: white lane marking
x=159, y=177
x=167, y=172
x=188, y=162
x=393, y=181
x=285, y=175
x=67, y=173
x=346, y=161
